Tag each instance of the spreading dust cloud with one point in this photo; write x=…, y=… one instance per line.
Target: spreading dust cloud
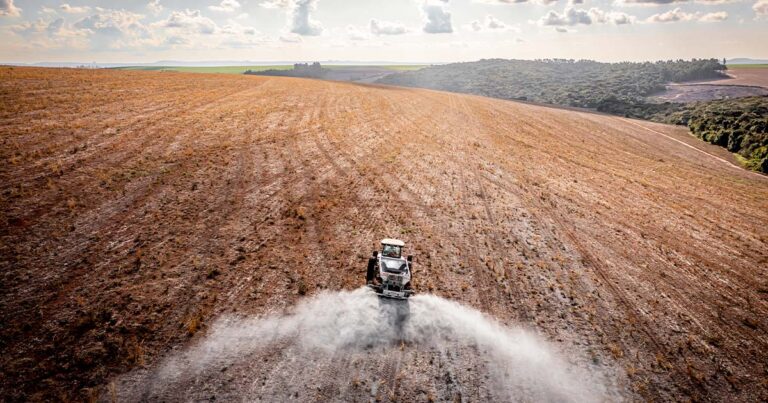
x=282, y=355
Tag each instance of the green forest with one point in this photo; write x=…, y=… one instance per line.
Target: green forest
x=582, y=83
x=740, y=125
x=621, y=89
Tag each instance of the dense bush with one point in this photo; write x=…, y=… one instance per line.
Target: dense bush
x=740, y=125
x=582, y=83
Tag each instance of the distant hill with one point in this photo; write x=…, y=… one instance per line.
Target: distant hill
x=744, y=60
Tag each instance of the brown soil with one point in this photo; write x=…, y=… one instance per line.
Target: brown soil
x=754, y=76
x=683, y=93
x=137, y=207
x=743, y=82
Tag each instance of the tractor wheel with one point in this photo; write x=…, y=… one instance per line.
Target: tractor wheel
x=371, y=273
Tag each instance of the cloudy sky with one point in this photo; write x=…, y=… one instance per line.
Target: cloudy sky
x=380, y=30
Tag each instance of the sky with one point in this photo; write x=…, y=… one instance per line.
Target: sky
x=422, y=31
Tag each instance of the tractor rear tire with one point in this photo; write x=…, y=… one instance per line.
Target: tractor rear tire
x=371, y=273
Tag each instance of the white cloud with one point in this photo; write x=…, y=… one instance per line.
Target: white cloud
x=176, y=41
x=570, y=16
x=110, y=21
x=55, y=26
x=490, y=23
x=665, y=2
x=356, y=34
x=437, y=17
x=272, y=4
x=573, y=16
x=48, y=10
x=116, y=29
x=602, y=17
x=290, y=38
x=50, y=34
x=28, y=28
x=506, y=2
x=155, y=7
x=300, y=20
x=649, y=2
x=387, y=28
x=189, y=21
x=234, y=28
x=620, y=18
x=761, y=7
x=8, y=9
x=675, y=15
x=714, y=17
x=105, y=29
x=237, y=36
x=74, y=10
x=501, y=2
x=226, y=6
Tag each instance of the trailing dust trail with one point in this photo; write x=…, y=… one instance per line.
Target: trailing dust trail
x=350, y=323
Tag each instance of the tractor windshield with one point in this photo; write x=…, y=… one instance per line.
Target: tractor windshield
x=391, y=251
x=394, y=265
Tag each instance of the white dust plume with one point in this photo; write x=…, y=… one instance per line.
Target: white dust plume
x=520, y=365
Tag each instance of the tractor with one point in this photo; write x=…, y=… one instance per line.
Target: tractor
x=389, y=274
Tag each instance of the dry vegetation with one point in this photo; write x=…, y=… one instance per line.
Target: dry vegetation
x=137, y=206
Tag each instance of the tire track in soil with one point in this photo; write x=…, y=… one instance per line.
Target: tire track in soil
x=522, y=311
x=156, y=119
x=148, y=192
x=109, y=223
x=683, y=369
x=372, y=222
x=481, y=276
x=311, y=236
x=392, y=364
x=629, y=309
x=241, y=176
x=451, y=380
x=287, y=188
x=479, y=179
x=390, y=370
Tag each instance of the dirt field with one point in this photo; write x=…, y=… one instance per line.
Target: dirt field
x=138, y=208
x=750, y=76
x=707, y=92
x=744, y=82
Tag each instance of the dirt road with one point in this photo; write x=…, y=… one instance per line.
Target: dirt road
x=139, y=208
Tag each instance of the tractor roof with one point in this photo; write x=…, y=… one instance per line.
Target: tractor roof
x=389, y=241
